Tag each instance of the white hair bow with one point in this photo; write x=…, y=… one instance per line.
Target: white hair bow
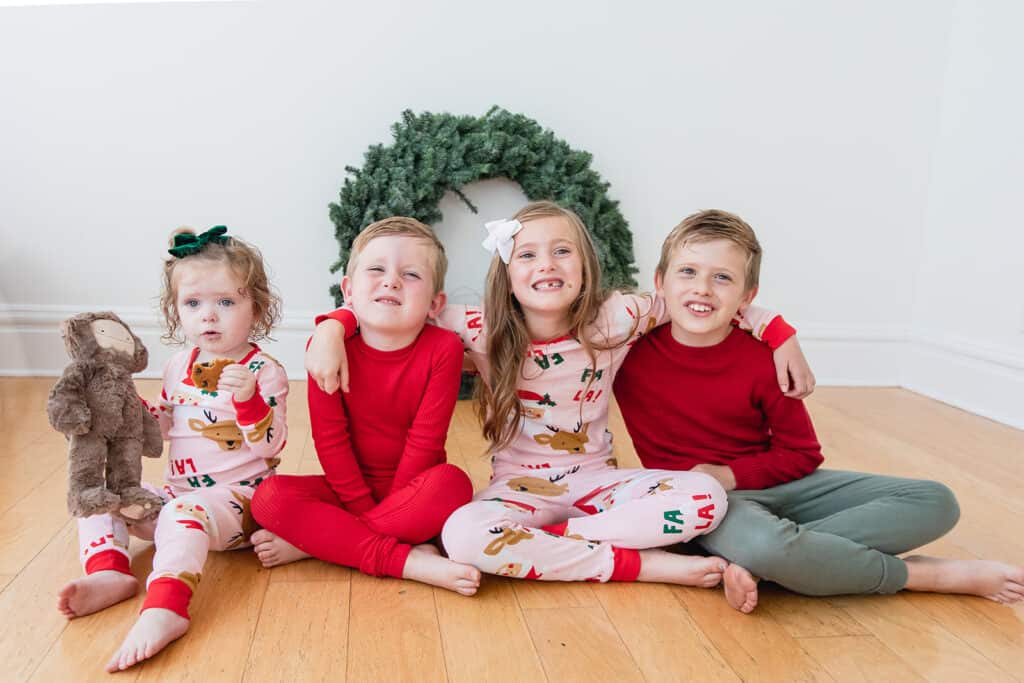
x=499, y=237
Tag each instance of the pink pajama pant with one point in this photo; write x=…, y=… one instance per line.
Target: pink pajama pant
x=572, y=525
x=191, y=523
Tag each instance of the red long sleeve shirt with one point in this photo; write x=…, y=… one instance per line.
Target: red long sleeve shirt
x=719, y=405
x=393, y=423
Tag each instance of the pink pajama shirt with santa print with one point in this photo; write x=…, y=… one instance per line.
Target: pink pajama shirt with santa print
x=557, y=508
x=220, y=450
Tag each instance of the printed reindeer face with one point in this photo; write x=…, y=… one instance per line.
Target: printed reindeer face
x=227, y=434
x=573, y=441
x=542, y=487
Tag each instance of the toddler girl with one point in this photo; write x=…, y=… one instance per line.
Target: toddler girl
x=223, y=410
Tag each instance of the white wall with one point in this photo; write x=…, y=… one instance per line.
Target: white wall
x=968, y=317
x=816, y=121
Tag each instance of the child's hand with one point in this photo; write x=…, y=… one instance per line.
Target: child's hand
x=790, y=363
x=326, y=361
x=722, y=473
x=239, y=381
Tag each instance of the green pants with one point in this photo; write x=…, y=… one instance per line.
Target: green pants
x=833, y=532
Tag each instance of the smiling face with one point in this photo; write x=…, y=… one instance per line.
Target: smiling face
x=546, y=273
x=216, y=315
x=111, y=334
x=391, y=290
x=704, y=287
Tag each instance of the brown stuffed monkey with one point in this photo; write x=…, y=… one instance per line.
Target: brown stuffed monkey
x=96, y=406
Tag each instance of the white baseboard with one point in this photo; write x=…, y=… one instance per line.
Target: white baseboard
x=30, y=343
x=982, y=379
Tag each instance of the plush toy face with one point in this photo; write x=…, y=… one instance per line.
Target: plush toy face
x=112, y=335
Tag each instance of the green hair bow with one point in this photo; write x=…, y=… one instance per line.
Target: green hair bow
x=186, y=244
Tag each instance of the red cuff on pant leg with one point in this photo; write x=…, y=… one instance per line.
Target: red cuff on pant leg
x=627, y=564
x=108, y=560
x=396, y=563
x=168, y=593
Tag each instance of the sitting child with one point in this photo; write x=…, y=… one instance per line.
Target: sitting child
x=223, y=410
x=816, y=532
x=386, y=488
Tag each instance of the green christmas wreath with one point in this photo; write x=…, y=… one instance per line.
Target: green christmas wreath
x=434, y=153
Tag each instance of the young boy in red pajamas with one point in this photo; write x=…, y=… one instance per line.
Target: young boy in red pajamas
x=701, y=395
x=386, y=488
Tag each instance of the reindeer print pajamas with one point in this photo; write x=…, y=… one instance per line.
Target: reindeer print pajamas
x=557, y=508
x=220, y=450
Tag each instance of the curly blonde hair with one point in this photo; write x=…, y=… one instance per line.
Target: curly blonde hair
x=246, y=262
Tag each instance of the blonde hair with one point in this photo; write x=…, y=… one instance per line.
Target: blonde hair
x=498, y=405
x=246, y=262
x=715, y=224
x=401, y=226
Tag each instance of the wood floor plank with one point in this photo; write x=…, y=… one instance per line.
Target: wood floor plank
x=553, y=594
x=994, y=630
x=660, y=634
x=31, y=522
x=931, y=650
x=580, y=644
x=756, y=646
x=29, y=621
x=393, y=631
x=854, y=659
x=309, y=571
x=4, y=580
x=486, y=637
x=807, y=617
x=311, y=648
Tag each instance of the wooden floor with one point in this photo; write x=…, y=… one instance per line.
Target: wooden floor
x=313, y=621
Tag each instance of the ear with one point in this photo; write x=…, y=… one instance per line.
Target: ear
x=659, y=284
x=437, y=305
x=346, y=287
x=748, y=299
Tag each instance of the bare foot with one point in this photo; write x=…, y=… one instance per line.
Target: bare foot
x=685, y=570
x=155, y=629
x=996, y=581
x=94, y=592
x=740, y=588
x=426, y=565
x=274, y=550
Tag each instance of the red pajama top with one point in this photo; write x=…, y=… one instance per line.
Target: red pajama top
x=393, y=424
x=718, y=405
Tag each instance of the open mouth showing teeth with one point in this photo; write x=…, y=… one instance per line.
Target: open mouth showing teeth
x=700, y=308
x=548, y=284
x=389, y=301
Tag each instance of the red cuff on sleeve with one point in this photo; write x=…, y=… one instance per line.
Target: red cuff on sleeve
x=252, y=411
x=344, y=316
x=777, y=332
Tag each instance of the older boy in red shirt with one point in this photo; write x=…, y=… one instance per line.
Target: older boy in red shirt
x=699, y=394
x=386, y=488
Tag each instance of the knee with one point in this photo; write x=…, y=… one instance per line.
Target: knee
x=463, y=530
x=451, y=486
x=185, y=512
x=710, y=502
x=943, y=509
x=262, y=504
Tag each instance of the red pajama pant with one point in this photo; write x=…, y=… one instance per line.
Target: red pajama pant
x=306, y=512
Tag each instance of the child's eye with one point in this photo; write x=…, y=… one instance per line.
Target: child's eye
x=525, y=255
x=376, y=269
x=191, y=303
x=723, y=276
x=227, y=302
x=563, y=251
x=414, y=276
x=686, y=270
